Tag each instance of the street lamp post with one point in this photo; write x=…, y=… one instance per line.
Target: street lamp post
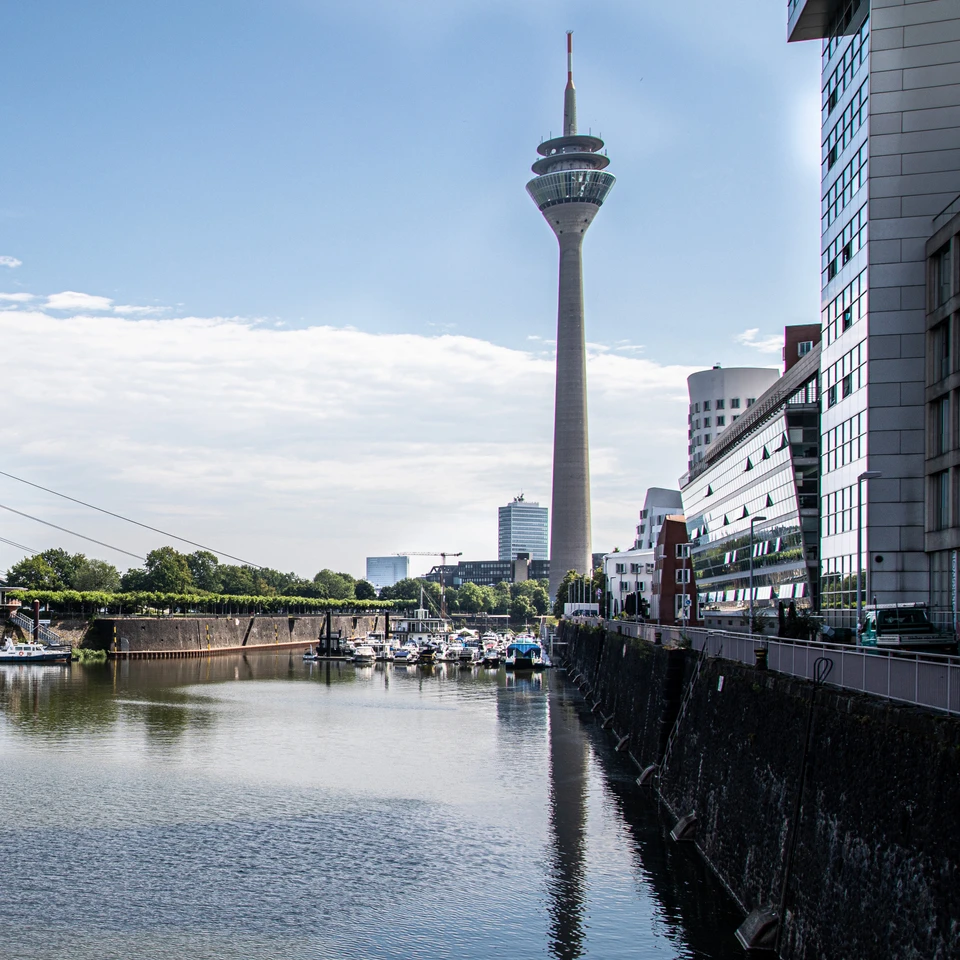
x=866, y=475
x=753, y=520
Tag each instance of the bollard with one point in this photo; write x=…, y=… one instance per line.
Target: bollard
x=761, y=655
x=657, y=638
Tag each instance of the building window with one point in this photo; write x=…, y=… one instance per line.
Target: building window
x=736, y=415
x=940, y=497
x=706, y=405
x=696, y=408
x=831, y=395
x=941, y=426
x=706, y=438
x=721, y=421
x=944, y=275
x=719, y=405
x=735, y=403
x=847, y=384
x=941, y=350
x=751, y=401
x=683, y=551
x=706, y=421
x=804, y=347
x=683, y=575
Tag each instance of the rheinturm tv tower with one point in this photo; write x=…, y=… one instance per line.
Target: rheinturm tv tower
x=569, y=188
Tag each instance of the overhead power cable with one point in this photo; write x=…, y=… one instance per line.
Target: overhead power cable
x=120, y=516
x=19, y=546
x=72, y=533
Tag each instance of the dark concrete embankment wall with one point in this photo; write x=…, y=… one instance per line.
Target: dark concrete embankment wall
x=185, y=635
x=877, y=866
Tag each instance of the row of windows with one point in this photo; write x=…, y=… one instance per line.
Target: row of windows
x=845, y=443
x=845, y=187
x=838, y=511
x=842, y=75
x=844, y=245
x=847, y=375
x=843, y=131
x=718, y=405
x=838, y=583
x=846, y=308
x=939, y=351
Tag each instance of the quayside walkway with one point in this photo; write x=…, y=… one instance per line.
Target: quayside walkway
x=925, y=680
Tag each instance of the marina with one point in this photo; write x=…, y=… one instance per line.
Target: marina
x=263, y=806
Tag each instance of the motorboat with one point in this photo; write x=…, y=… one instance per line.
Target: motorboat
x=364, y=654
x=491, y=655
x=450, y=652
x=524, y=654
x=29, y=651
x=408, y=652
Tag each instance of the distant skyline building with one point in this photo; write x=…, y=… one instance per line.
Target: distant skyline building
x=386, y=571
x=569, y=187
x=522, y=528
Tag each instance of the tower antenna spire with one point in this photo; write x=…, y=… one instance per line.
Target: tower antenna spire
x=570, y=94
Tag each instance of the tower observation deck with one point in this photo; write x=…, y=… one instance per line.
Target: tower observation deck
x=569, y=188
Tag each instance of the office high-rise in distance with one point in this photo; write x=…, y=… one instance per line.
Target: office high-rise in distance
x=522, y=529
x=569, y=188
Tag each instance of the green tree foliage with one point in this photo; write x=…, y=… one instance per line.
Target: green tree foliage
x=36, y=573
x=237, y=581
x=168, y=571
x=472, y=598
x=337, y=586
x=521, y=610
x=364, y=590
x=56, y=569
x=581, y=588
x=97, y=575
x=205, y=571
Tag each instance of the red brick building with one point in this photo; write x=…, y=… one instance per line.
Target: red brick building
x=674, y=597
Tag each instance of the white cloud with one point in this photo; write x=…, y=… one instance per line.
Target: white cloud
x=752, y=338
x=72, y=300
x=129, y=310
x=10, y=262
x=303, y=448
x=16, y=297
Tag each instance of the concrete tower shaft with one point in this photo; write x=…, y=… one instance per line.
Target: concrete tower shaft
x=569, y=188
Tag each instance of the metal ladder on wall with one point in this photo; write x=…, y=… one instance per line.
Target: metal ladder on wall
x=684, y=703
x=47, y=636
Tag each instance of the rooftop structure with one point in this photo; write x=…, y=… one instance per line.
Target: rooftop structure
x=569, y=187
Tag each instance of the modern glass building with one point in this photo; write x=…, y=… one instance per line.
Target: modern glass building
x=523, y=529
x=386, y=571
x=890, y=141
x=760, y=476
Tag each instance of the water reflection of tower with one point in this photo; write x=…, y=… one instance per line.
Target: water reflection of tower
x=568, y=826
x=569, y=188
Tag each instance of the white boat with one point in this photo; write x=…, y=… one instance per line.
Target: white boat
x=28, y=651
x=364, y=654
x=450, y=653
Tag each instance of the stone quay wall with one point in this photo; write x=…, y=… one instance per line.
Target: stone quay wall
x=193, y=636
x=876, y=868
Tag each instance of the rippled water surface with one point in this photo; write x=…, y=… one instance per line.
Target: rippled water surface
x=263, y=807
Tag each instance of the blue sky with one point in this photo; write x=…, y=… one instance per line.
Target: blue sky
x=297, y=165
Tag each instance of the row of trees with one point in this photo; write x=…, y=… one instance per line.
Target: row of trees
x=166, y=570
x=198, y=581
x=521, y=601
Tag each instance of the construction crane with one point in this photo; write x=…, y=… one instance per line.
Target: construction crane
x=442, y=554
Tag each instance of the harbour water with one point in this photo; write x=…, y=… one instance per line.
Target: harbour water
x=263, y=807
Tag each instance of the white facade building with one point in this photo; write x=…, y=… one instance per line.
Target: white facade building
x=717, y=398
x=658, y=504
x=627, y=572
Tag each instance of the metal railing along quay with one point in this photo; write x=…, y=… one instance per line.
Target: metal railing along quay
x=923, y=680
